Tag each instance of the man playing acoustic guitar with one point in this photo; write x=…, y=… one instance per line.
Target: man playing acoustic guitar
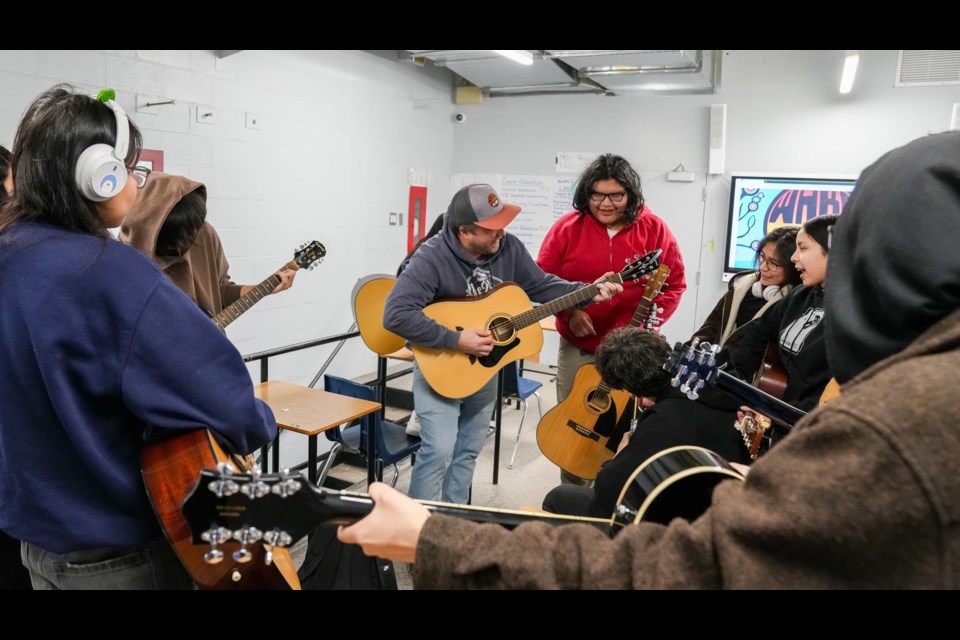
x=469, y=257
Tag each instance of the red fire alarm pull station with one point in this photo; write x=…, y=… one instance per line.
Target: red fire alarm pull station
x=416, y=216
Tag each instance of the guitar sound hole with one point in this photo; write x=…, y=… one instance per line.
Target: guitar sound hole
x=502, y=329
x=598, y=401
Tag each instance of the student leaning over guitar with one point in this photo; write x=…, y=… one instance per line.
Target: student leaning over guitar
x=468, y=258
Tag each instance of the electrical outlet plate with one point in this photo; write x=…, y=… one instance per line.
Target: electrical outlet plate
x=393, y=218
x=206, y=115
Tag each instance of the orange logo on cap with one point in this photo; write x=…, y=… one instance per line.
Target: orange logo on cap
x=493, y=200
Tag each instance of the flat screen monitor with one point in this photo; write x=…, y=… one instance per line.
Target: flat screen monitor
x=761, y=202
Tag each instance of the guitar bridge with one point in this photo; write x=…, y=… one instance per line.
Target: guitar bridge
x=586, y=433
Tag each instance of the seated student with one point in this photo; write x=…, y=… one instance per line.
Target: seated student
x=796, y=322
x=99, y=351
x=632, y=358
x=863, y=494
x=168, y=224
x=752, y=293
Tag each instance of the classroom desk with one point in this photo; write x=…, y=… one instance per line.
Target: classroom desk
x=313, y=411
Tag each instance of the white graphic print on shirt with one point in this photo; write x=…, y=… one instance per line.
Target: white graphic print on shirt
x=481, y=281
x=793, y=337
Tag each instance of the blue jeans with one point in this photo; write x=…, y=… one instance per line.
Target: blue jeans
x=452, y=434
x=153, y=566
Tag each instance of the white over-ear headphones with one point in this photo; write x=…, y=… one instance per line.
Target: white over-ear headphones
x=101, y=169
x=768, y=292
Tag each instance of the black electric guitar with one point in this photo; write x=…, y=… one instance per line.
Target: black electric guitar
x=694, y=366
x=232, y=528
x=306, y=257
x=506, y=312
x=578, y=435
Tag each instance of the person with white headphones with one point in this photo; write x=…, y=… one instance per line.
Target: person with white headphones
x=99, y=351
x=751, y=293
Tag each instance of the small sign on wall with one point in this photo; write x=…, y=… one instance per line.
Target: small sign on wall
x=151, y=159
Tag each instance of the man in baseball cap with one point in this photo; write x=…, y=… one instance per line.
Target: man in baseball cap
x=468, y=258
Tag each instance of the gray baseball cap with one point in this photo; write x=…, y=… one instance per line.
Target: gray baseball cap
x=479, y=204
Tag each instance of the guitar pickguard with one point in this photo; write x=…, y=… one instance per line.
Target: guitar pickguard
x=494, y=357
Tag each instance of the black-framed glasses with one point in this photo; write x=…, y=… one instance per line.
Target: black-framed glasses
x=140, y=175
x=616, y=198
x=764, y=260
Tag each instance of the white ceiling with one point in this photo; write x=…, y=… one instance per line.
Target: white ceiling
x=610, y=72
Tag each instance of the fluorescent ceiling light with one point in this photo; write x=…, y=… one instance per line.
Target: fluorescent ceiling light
x=849, y=71
x=523, y=57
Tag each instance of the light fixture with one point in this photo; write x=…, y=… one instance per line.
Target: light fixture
x=523, y=57
x=849, y=71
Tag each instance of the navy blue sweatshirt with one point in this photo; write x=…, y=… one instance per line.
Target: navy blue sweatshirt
x=96, y=346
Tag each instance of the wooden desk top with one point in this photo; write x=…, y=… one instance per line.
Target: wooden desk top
x=549, y=323
x=310, y=411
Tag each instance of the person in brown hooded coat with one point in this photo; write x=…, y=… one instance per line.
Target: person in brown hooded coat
x=168, y=224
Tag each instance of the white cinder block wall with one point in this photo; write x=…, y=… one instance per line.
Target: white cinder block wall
x=339, y=130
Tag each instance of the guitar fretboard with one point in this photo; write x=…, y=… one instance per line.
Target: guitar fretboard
x=537, y=314
x=243, y=304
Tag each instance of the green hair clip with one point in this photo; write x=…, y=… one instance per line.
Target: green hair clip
x=106, y=94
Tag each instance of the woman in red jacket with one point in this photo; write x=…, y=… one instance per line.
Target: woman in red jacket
x=610, y=225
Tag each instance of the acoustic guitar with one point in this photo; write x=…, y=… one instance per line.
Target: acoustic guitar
x=577, y=435
x=506, y=312
x=225, y=514
x=771, y=377
x=369, y=298
x=306, y=257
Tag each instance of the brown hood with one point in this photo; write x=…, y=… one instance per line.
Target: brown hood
x=153, y=205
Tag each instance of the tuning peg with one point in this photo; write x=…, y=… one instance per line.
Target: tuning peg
x=246, y=536
x=256, y=488
x=224, y=488
x=214, y=535
x=275, y=538
x=287, y=485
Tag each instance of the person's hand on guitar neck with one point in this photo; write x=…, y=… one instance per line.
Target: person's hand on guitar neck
x=286, y=281
x=475, y=342
x=607, y=289
x=392, y=530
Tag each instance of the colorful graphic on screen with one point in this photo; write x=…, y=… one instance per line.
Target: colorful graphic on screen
x=759, y=205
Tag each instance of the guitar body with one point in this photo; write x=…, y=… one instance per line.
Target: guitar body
x=455, y=374
x=170, y=470
x=674, y=483
x=575, y=434
x=369, y=299
x=772, y=376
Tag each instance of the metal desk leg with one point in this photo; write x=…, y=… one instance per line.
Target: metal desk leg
x=312, y=460
x=498, y=410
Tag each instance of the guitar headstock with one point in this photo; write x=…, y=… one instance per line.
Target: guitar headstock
x=641, y=266
x=692, y=366
x=656, y=281
x=249, y=508
x=308, y=255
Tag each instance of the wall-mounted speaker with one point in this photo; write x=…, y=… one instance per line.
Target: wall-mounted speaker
x=718, y=137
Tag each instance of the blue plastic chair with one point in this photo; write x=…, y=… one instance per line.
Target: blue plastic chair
x=517, y=387
x=393, y=444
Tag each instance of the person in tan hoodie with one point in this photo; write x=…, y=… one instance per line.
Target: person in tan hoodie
x=862, y=494
x=168, y=224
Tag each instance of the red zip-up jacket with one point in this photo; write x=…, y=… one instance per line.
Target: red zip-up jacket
x=578, y=248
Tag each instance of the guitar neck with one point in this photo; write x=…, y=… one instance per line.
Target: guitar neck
x=553, y=307
x=243, y=304
x=350, y=507
x=772, y=407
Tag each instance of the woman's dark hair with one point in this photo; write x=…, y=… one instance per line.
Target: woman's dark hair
x=182, y=225
x=434, y=230
x=54, y=131
x=4, y=169
x=819, y=229
x=609, y=167
x=784, y=241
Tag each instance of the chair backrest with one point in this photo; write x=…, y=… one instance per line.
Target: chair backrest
x=391, y=446
x=344, y=387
